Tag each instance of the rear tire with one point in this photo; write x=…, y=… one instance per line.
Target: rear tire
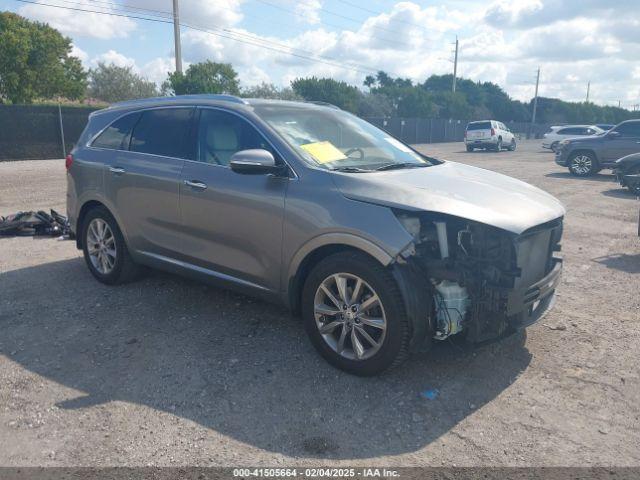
x=383, y=320
x=469, y=148
x=105, y=251
x=583, y=164
x=634, y=190
x=498, y=146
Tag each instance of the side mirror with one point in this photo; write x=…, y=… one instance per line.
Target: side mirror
x=254, y=162
x=613, y=135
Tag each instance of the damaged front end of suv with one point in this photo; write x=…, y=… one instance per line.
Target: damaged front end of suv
x=481, y=282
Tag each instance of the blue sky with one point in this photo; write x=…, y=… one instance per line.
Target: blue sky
x=573, y=41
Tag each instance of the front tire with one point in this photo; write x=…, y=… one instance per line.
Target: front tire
x=583, y=164
x=469, y=148
x=104, y=248
x=554, y=147
x=512, y=145
x=354, y=314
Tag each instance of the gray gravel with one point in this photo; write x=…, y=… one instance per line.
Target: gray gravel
x=166, y=371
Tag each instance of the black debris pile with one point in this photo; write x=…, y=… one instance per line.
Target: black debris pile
x=38, y=223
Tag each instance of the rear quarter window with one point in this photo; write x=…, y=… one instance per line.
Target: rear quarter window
x=116, y=136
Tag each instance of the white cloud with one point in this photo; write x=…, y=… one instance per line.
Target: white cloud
x=115, y=58
x=308, y=11
x=79, y=53
x=80, y=23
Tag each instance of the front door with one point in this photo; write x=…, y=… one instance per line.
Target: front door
x=625, y=143
x=232, y=223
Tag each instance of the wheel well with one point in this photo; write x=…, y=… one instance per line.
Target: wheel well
x=86, y=208
x=296, y=283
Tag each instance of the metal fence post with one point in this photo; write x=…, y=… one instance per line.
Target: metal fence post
x=64, y=148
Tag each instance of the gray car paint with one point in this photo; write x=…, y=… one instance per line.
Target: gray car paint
x=456, y=189
x=255, y=232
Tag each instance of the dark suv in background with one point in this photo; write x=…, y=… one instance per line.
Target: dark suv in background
x=588, y=155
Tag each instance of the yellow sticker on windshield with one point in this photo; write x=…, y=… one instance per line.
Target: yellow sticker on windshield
x=323, y=152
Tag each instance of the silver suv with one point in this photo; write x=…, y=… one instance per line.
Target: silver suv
x=379, y=248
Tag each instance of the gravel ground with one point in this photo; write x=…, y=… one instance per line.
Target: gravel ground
x=166, y=371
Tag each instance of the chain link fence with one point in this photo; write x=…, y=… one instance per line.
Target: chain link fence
x=39, y=131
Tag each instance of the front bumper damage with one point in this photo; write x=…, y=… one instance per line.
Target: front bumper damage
x=484, y=284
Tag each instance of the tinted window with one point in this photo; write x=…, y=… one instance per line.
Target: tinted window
x=629, y=129
x=222, y=134
x=163, y=132
x=479, y=126
x=572, y=131
x=116, y=136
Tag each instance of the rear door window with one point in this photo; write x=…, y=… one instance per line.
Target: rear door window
x=116, y=136
x=163, y=131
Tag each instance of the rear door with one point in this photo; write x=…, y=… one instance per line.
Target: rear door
x=626, y=143
x=144, y=182
x=232, y=223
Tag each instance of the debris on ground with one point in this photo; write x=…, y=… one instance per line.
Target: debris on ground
x=40, y=223
x=430, y=394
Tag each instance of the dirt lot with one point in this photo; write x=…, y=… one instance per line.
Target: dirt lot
x=166, y=371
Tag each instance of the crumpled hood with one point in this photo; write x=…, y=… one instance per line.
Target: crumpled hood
x=455, y=189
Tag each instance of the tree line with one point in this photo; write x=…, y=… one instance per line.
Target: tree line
x=36, y=64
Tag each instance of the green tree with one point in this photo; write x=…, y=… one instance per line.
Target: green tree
x=269, y=90
x=113, y=84
x=340, y=94
x=204, y=77
x=36, y=62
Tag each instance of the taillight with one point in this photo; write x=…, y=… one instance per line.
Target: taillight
x=68, y=162
x=493, y=132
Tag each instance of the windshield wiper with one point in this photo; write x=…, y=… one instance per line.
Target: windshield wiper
x=349, y=169
x=397, y=166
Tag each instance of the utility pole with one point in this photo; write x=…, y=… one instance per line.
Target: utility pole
x=455, y=67
x=176, y=36
x=588, y=88
x=535, y=104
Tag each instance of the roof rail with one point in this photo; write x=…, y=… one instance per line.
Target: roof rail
x=169, y=99
x=324, y=104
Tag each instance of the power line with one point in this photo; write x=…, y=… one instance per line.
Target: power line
x=374, y=12
x=169, y=15
x=228, y=35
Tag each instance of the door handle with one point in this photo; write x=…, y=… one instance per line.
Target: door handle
x=195, y=184
x=116, y=170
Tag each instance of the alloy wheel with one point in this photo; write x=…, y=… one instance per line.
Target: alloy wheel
x=101, y=246
x=350, y=316
x=581, y=164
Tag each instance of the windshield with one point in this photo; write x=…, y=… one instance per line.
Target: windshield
x=336, y=140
